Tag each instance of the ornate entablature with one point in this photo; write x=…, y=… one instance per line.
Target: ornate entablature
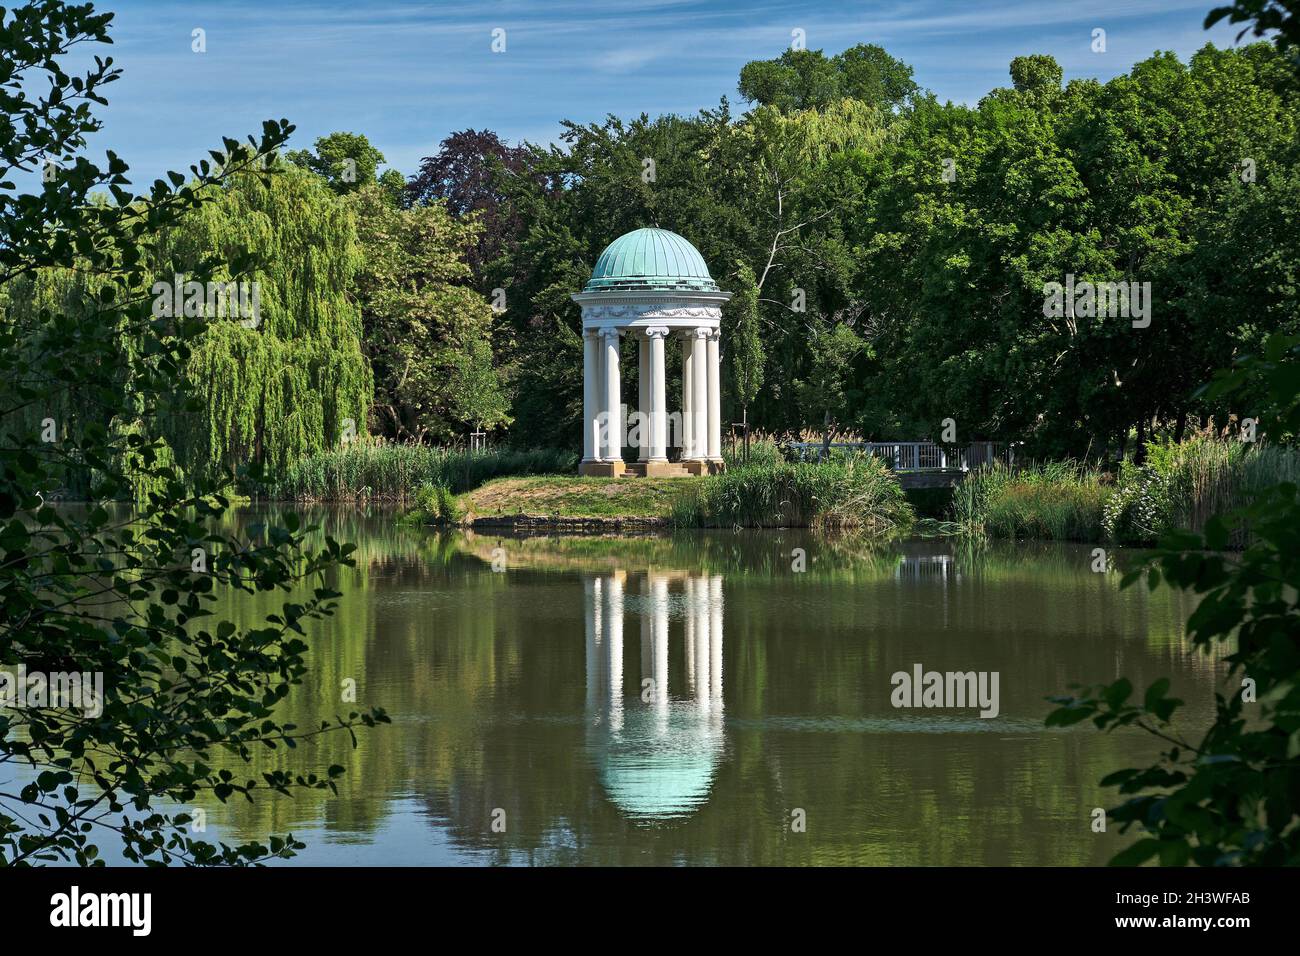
x=650, y=311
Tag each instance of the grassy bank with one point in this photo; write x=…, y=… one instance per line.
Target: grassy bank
x=366, y=472
x=1179, y=487
x=859, y=494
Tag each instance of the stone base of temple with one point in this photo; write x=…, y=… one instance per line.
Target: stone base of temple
x=650, y=469
x=601, y=469
x=704, y=466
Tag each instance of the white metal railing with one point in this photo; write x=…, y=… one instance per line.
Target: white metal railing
x=919, y=455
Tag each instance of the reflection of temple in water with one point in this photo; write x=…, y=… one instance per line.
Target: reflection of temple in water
x=656, y=743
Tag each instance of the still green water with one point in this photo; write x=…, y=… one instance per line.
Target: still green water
x=687, y=699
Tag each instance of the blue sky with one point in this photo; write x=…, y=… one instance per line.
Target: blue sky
x=407, y=73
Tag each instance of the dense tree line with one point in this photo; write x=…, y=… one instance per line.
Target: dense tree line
x=891, y=256
x=901, y=246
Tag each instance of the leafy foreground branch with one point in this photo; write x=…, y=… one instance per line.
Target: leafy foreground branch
x=121, y=602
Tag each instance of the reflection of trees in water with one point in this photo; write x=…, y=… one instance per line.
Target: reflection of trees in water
x=487, y=678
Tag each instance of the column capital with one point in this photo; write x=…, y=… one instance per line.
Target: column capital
x=657, y=332
x=611, y=333
x=715, y=335
x=703, y=332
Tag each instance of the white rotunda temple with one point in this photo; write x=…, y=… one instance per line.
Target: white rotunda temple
x=651, y=284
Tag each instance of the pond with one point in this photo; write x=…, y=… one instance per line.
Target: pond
x=720, y=697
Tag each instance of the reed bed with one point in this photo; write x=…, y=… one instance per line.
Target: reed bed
x=1213, y=477
x=381, y=472
x=1058, y=501
x=1182, y=486
x=762, y=451
x=859, y=494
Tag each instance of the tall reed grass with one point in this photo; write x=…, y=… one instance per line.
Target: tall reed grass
x=379, y=472
x=860, y=494
x=1059, y=501
x=1183, y=485
x=762, y=451
x=1180, y=487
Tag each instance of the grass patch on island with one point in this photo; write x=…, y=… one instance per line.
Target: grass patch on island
x=571, y=497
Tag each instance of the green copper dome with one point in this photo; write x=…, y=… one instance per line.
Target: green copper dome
x=650, y=260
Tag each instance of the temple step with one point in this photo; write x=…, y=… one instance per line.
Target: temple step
x=637, y=469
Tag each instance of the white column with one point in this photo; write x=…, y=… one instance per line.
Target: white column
x=688, y=383
x=700, y=395
x=612, y=403
x=591, y=385
x=657, y=393
x=715, y=396
x=643, y=395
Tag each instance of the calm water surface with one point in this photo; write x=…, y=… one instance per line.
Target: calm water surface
x=677, y=699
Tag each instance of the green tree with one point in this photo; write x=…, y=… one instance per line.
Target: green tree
x=124, y=601
x=477, y=397
x=808, y=79
x=294, y=379
x=283, y=378
x=972, y=212
x=744, y=345
x=1036, y=73
x=427, y=331
x=834, y=347
x=870, y=74
x=348, y=161
x=796, y=80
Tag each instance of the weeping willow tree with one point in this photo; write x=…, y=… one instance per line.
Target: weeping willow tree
x=44, y=304
x=270, y=388
x=292, y=379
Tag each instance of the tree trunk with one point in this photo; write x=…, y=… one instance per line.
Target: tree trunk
x=744, y=428
x=1180, y=425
